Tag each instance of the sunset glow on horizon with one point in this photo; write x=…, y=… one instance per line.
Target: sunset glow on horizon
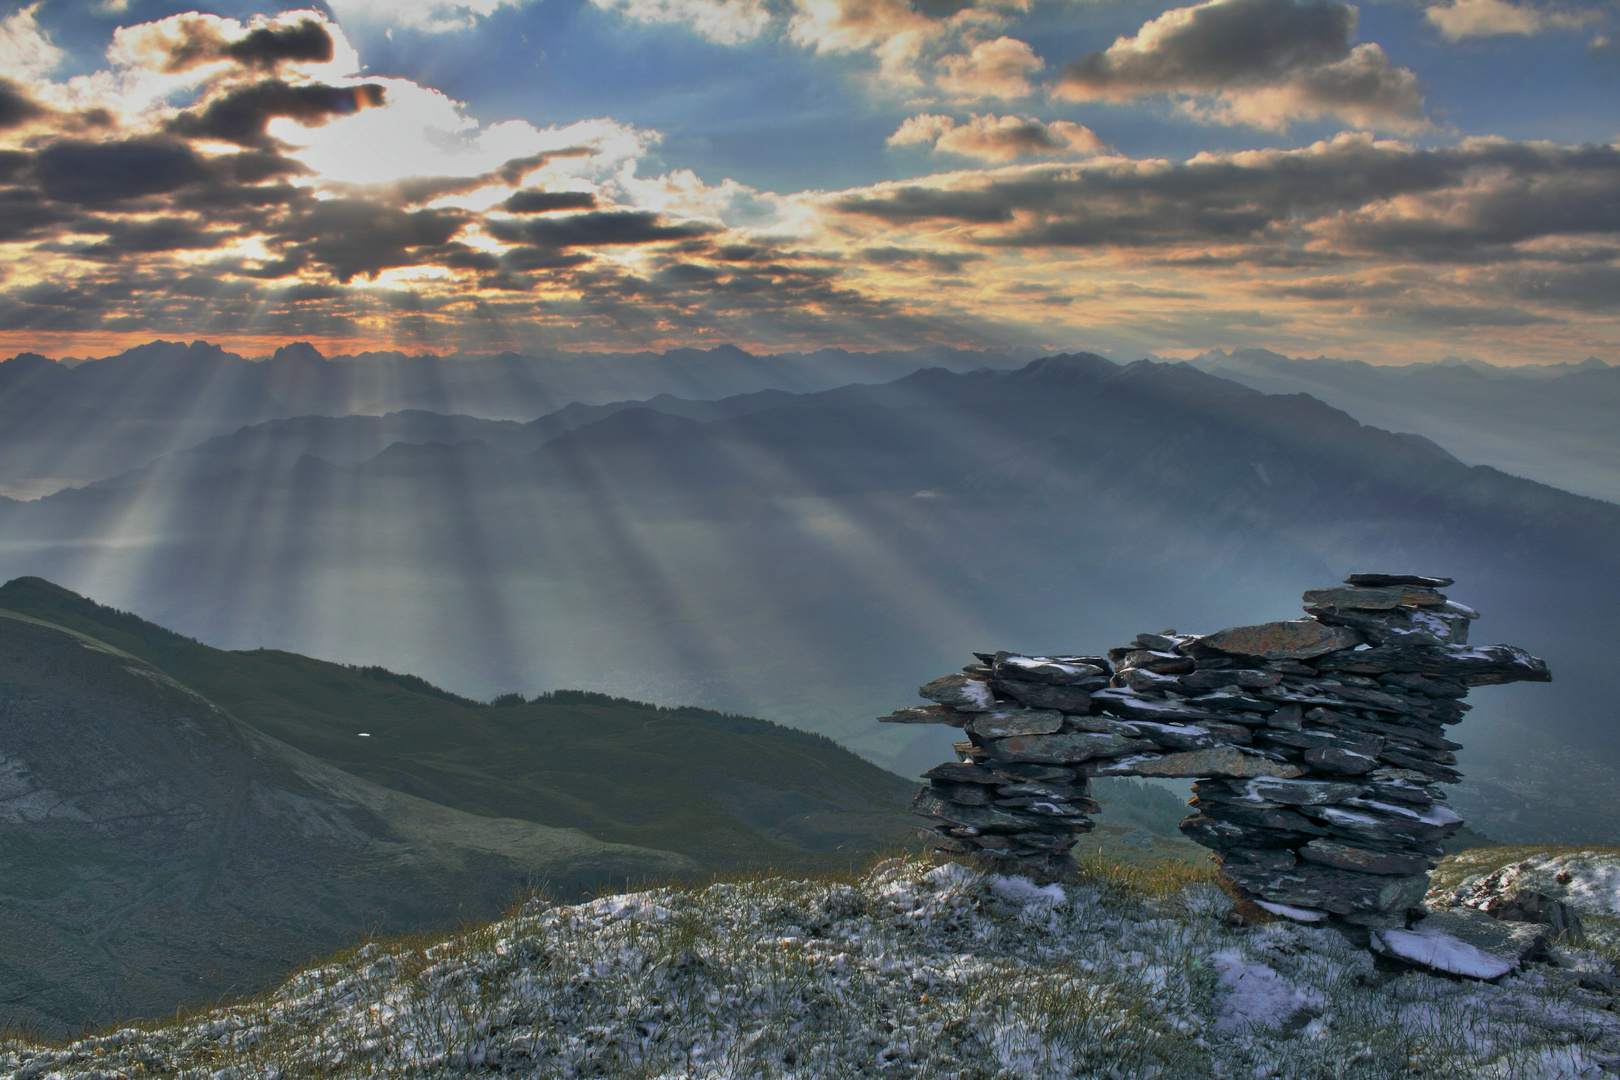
x=613, y=175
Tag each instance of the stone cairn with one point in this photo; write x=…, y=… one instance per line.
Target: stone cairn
x=1317, y=746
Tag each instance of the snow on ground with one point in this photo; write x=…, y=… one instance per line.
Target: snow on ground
x=911, y=971
x=1438, y=950
x=1588, y=881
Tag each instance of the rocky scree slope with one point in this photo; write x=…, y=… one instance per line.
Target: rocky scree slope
x=911, y=970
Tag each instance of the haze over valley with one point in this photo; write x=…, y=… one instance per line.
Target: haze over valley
x=807, y=557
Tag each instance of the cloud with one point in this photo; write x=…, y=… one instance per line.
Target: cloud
x=598, y=228
x=1587, y=288
x=1001, y=69
x=242, y=115
x=428, y=16
x=546, y=202
x=204, y=205
x=1263, y=63
x=725, y=22
x=996, y=138
x=1489, y=18
x=419, y=131
x=93, y=174
x=1350, y=195
x=350, y=237
x=16, y=107
x=205, y=47
x=25, y=52
x=183, y=42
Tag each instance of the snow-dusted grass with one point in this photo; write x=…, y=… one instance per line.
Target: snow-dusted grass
x=911, y=970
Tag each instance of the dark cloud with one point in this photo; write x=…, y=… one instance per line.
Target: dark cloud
x=688, y=274
x=150, y=236
x=269, y=46
x=255, y=166
x=528, y=259
x=24, y=213
x=596, y=229
x=512, y=173
x=16, y=107
x=13, y=164
x=413, y=190
x=1216, y=45
x=352, y=237
x=263, y=48
x=240, y=115
x=936, y=261
x=1457, y=202
x=1341, y=289
x=534, y=201
x=108, y=172
x=1459, y=315
x=1587, y=288
x=1301, y=51
x=418, y=190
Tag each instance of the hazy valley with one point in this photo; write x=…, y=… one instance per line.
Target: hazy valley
x=808, y=557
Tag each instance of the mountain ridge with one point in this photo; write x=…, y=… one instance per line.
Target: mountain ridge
x=166, y=852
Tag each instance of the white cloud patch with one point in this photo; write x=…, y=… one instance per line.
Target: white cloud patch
x=997, y=138
x=726, y=22
x=419, y=131
x=25, y=52
x=1265, y=63
x=1000, y=69
x=1497, y=18
x=433, y=16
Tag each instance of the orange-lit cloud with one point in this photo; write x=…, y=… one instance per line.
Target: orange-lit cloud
x=1266, y=63
x=241, y=182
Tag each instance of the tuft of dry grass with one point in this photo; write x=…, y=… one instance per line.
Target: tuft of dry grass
x=1157, y=880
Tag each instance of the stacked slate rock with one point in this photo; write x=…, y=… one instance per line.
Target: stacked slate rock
x=1317, y=746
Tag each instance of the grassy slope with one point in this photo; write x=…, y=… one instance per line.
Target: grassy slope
x=721, y=789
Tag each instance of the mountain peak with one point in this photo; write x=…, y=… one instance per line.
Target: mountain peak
x=1068, y=366
x=297, y=352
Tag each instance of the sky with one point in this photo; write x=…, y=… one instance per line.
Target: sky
x=1394, y=181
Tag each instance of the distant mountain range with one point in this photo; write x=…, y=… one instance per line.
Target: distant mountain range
x=178, y=822
x=813, y=557
x=63, y=424
x=1558, y=423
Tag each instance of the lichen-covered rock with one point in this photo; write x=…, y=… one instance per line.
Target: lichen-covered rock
x=1298, y=639
x=1374, y=597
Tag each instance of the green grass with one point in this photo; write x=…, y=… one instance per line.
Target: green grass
x=725, y=790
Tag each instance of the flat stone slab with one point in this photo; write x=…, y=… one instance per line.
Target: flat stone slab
x=1374, y=598
x=1463, y=942
x=959, y=692
x=1348, y=857
x=1216, y=761
x=1056, y=671
x=1004, y=723
x=1297, y=639
x=1399, y=579
x=1067, y=747
x=927, y=714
